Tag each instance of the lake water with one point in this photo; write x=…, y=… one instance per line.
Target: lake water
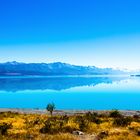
x=67, y=92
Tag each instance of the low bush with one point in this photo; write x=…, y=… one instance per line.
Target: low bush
x=122, y=121
x=52, y=125
x=92, y=117
x=82, y=122
x=115, y=114
x=4, y=127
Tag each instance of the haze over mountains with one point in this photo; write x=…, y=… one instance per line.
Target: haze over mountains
x=50, y=69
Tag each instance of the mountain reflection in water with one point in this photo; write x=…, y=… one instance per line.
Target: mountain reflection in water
x=52, y=83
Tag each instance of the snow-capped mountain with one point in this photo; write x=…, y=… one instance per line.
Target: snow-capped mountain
x=57, y=68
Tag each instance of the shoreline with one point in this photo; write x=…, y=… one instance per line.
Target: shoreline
x=67, y=112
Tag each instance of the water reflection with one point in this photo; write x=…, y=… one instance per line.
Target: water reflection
x=99, y=93
x=53, y=83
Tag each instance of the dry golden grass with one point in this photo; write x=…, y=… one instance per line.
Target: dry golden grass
x=28, y=127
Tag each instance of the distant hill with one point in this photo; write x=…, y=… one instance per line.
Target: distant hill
x=137, y=75
x=50, y=69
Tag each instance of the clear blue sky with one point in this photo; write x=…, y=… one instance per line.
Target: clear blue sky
x=104, y=33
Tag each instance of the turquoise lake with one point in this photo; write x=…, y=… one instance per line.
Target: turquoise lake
x=71, y=92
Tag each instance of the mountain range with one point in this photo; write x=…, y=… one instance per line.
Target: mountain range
x=52, y=69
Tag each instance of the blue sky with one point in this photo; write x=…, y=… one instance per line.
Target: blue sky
x=104, y=33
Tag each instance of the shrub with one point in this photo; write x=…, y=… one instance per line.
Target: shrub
x=36, y=121
x=89, y=115
x=65, y=118
x=92, y=117
x=115, y=114
x=136, y=116
x=4, y=127
x=103, y=115
x=82, y=122
x=46, y=128
x=103, y=134
x=68, y=129
x=138, y=132
x=122, y=121
x=52, y=125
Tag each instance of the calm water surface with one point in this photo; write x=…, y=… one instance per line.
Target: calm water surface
x=96, y=92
